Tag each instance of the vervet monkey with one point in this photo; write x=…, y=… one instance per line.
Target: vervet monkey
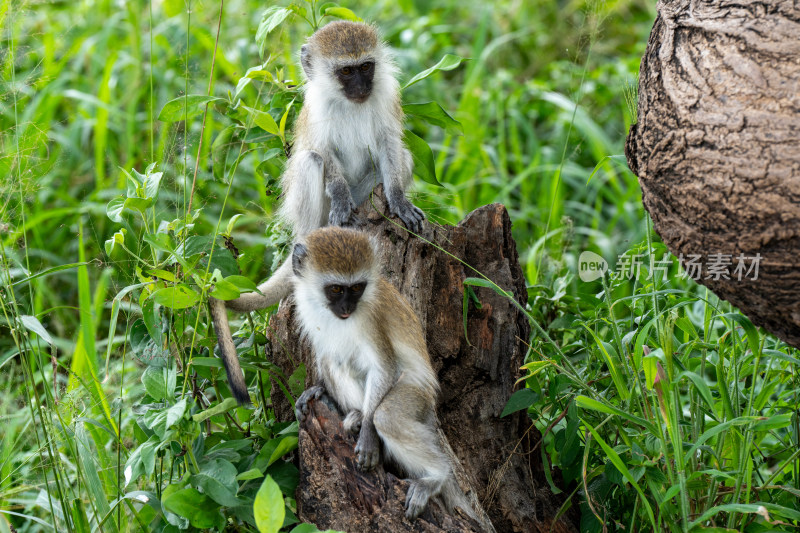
x=371, y=358
x=347, y=139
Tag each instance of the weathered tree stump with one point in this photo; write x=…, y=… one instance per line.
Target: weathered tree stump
x=717, y=147
x=477, y=380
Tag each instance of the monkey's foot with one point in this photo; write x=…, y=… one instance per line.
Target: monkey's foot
x=352, y=422
x=417, y=498
x=411, y=215
x=368, y=451
x=301, y=405
x=343, y=214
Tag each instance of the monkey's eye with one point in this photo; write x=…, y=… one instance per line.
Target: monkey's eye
x=358, y=287
x=346, y=71
x=336, y=289
x=366, y=67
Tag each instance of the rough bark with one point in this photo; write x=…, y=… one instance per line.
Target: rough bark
x=477, y=380
x=717, y=146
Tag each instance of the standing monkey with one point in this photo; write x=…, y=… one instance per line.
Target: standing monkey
x=371, y=358
x=347, y=139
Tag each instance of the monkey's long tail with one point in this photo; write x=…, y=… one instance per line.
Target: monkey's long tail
x=275, y=288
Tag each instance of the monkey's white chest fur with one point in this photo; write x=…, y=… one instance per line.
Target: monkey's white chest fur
x=342, y=352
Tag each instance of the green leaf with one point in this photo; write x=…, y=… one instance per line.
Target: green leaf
x=702, y=388
x=448, y=62
x=424, y=165
x=116, y=206
x=217, y=479
x=341, y=13
x=263, y=120
x=31, y=323
x=225, y=290
x=159, y=382
x=178, y=297
x=118, y=238
x=585, y=402
x=253, y=473
x=433, y=113
x=522, y=399
x=223, y=407
x=201, y=510
x=268, y=507
x=175, y=412
x=244, y=284
x=185, y=107
x=270, y=20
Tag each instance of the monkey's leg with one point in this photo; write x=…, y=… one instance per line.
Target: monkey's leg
x=305, y=204
x=397, y=167
x=405, y=423
x=342, y=206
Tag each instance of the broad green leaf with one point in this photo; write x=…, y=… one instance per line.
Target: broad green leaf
x=152, y=182
x=217, y=479
x=433, y=113
x=244, y=284
x=225, y=290
x=263, y=120
x=253, y=473
x=159, y=382
x=223, y=407
x=286, y=445
x=522, y=399
x=342, y=13
x=174, y=7
x=31, y=323
x=231, y=223
x=759, y=508
x=116, y=206
x=448, y=62
x=185, y=107
x=201, y=510
x=269, y=508
x=178, y=297
x=176, y=412
x=612, y=364
x=424, y=165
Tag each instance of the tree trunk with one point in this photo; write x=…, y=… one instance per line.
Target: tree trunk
x=717, y=148
x=477, y=380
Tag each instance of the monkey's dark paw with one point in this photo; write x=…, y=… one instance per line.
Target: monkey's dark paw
x=301, y=405
x=368, y=452
x=411, y=215
x=416, y=498
x=352, y=422
x=344, y=214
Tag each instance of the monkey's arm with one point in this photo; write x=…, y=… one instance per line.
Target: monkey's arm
x=378, y=383
x=396, y=168
x=343, y=207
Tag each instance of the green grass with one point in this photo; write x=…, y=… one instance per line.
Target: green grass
x=661, y=408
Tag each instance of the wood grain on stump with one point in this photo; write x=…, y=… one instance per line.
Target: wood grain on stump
x=717, y=147
x=477, y=380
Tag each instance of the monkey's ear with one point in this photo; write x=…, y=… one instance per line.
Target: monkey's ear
x=305, y=59
x=299, y=254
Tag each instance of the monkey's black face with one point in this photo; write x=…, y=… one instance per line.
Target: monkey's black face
x=356, y=80
x=343, y=299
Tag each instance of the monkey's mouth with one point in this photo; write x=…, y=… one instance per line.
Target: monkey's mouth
x=360, y=99
x=343, y=316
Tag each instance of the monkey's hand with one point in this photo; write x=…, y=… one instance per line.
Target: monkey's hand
x=411, y=215
x=368, y=450
x=301, y=405
x=352, y=422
